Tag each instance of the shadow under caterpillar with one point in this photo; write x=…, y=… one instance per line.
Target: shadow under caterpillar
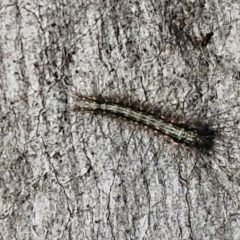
x=200, y=136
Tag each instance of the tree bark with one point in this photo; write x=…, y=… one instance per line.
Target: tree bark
x=79, y=175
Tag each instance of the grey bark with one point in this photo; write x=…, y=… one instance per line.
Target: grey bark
x=74, y=175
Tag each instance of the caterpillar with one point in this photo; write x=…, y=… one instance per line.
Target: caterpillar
x=200, y=136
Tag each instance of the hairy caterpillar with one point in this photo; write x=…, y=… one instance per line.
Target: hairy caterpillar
x=200, y=136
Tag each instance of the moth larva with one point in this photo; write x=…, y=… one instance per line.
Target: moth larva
x=199, y=136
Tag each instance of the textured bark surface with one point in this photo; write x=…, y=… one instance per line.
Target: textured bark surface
x=75, y=175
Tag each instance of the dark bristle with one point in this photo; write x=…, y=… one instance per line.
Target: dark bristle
x=206, y=133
